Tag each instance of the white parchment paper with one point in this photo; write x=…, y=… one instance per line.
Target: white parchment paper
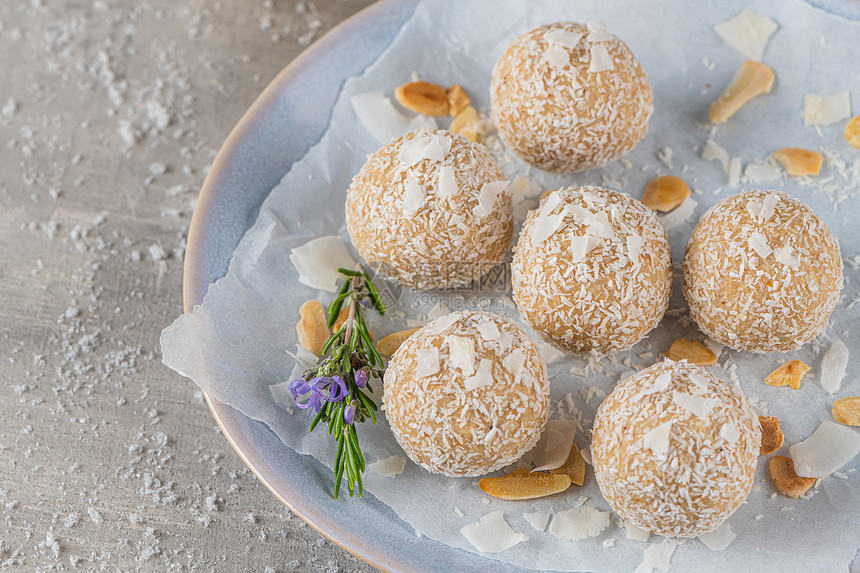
x=233, y=345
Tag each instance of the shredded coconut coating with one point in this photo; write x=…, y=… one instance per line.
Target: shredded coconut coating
x=561, y=117
x=399, y=220
x=709, y=464
x=615, y=294
x=762, y=272
x=448, y=429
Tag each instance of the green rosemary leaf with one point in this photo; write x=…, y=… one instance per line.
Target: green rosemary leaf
x=338, y=477
x=327, y=346
x=353, y=436
x=374, y=295
x=335, y=306
x=350, y=273
x=356, y=335
x=320, y=415
x=368, y=405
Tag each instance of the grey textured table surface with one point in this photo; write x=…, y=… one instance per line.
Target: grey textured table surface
x=110, y=113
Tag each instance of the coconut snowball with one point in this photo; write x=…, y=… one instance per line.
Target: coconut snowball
x=431, y=209
x=761, y=272
x=463, y=399
x=567, y=97
x=592, y=270
x=675, y=449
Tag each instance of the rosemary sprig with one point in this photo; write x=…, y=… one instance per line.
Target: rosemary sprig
x=335, y=391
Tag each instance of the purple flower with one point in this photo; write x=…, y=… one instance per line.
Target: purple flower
x=361, y=378
x=349, y=413
x=317, y=390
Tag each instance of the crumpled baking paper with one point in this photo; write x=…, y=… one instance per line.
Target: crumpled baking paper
x=234, y=344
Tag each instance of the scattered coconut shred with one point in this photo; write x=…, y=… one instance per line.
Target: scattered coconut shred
x=492, y=534
x=389, y=467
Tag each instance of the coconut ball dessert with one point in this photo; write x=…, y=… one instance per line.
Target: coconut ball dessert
x=675, y=449
x=592, y=270
x=761, y=272
x=467, y=394
x=431, y=209
x=567, y=97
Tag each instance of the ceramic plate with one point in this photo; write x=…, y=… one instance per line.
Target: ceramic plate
x=296, y=107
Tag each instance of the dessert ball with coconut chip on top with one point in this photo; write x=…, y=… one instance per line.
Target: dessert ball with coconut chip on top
x=592, y=270
x=675, y=449
x=467, y=394
x=431, y=209
x=567, y=97
x=761, y=272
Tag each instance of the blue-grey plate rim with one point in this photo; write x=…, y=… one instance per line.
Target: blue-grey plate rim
x=250, y=163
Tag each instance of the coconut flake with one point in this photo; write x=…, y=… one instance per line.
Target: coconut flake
x=635, y=532
x=487, y=197
x=556, y=56
x=698, y=379
x=661, y=382
x=382, y=120
x=318, y=260
x=825, y=110
x=549, y=204
x=549, y=353
x=757, y=172
x=586, y=455
x=713, y=152
x=545, y=225
x=657, y=439
x=597, y=32
x=730, y=433
x=414, y=196
x=829, y=448
x=714, y=347
x=563, y=37
x=748, y=33
x=304, y=357
x=634, y=248
x=580, y=245
x=447, y=186
x=786, y=256
x=461, y=350
x=579, y=523
x=697, y=405
x=525, y=188
x=443, y=322
x=734, y=171
x=553, y=447
x=719, y=538
x=412, y=151
x=488, y=330
x=758, y=243
x=601, y=61
x=833, y=366
x=389, y=467
x=679, y=216
x=598, y=224
x=482, y=377
x=427, y=363
x=537, y=519
x=657, y=555
x=492, y=534
x=434, y=151
x=768, y=207
x=514, y=362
